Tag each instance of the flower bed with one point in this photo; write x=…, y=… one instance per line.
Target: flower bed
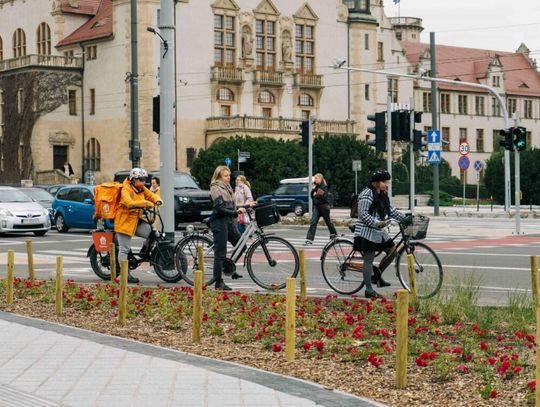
x=343, y=343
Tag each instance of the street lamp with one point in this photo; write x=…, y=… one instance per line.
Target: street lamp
x=165, y=43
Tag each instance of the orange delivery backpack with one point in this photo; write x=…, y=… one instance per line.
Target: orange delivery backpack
x=107, y=199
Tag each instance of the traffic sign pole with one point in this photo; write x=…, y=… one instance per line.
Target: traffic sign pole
x=518, y=185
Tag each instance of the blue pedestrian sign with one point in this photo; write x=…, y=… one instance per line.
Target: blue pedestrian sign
x=434, y=157
x=228, y=162
x=434, y=136
x=434, y=146
x=464, y=162
x=478, y=165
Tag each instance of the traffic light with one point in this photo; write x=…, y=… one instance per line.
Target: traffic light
x=401, y=125
x=304, y=133
x=521, y=138
x=418, y=141
x=155, y=114
x=379, y=130
x=507, y=140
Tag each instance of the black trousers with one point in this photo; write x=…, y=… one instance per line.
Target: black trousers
x=224, y=231
x=320, y=212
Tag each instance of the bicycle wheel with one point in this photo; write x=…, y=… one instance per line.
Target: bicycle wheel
x=427, y=267
x=270, y=261
x=163, y=261
x=342, y=272
x=186, y=258
x=101, y=264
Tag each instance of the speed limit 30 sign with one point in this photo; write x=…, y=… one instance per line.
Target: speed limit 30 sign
x=464, y=148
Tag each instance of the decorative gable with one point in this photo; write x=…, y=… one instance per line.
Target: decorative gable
x=225, y=4
x=496, y=61
x=306, y=12
x=523, y=85
x=266, y=7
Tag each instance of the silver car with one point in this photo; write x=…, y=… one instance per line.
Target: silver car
x=20, y=213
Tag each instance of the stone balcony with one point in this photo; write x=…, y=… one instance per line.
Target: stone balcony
x=269, y=78
x=308, y=81
x=230, y=75
x=45, y=61
x=277, y=127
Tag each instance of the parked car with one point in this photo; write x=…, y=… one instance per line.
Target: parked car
x=73, y=207
x=20, y=213
x=51, y=189
x=290, y=196
x=42, y=196
x=191, y=203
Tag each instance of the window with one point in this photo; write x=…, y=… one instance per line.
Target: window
x=20, y=101
x=190, y=156
x=266, y=97
x=511, y=105
x=44, y=39
x=393, y=89
x=1, y=49
x=267, y=112
x=265, y=41
x=445, y=103
x=462, y=104
x=305, y=48
x=462, y=134
x=224, y=40
x=495, y=107
x=366, y=91
x=528, y=138
x=306, y=114
x=480, y=140
x=19, y=43
x=380, y=51
x=72, y=102
x=527, y=104
x=366, y=41
x=93, y=155
x=305, y=100
x=445, y=135
x=479, y=104
x=496, y=81
x=225, y=110
x=225, y=94
x=92, y=101
x=91, y=52
x=426, y=101
x=69, y=56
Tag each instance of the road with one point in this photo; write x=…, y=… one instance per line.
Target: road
x=482, y=248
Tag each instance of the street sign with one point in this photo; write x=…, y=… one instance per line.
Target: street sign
x=243, y=156
x=228, y=162
x=478, y=165
x=434, y=136
x=464, y=148
x=357, y=165
x=434, y=157
x=464, y=162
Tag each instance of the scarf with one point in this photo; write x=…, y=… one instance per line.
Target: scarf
x=225, y=190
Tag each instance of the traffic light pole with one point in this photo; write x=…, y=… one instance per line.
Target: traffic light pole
x=517, y=180
x=389, y=144
x=311, y=121
x=411, y=159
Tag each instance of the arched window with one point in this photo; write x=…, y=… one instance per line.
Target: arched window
x=19, y=43
x=305, y=100
x=1, y=49
x=266, y=97
x=44, y=39
x=225, y=94
x=93, y=155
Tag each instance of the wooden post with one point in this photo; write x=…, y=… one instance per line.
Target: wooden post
x=200, y=258
x=537, y=390
x=197, y=306
x=290, y=324
x=31, y=275
x=402, y=338
x=412, y=277
x=534, y=273
x=10, y=267
x=122, y=310
x=59, y=288
x=112, y=260
x=303, y=289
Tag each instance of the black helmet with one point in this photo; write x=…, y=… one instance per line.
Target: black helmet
x=380, y=175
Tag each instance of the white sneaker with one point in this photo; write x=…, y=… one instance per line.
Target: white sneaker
x=308, y=242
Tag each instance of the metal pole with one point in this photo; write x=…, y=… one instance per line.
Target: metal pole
x=134, y=77
x=411, y=159
x=389, y=143
x=434, y=123
x=311, y=121
x=167, y=119
x=478, y=192
x=238, y=162
x=355, y=182
x=464, y=183
x=517, y=182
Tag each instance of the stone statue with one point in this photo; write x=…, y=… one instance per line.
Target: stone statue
x=247, y=42
x=286, y=46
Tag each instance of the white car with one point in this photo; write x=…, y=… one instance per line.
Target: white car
x=20, y=213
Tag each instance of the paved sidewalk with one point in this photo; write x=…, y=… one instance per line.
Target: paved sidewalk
x=46, y=364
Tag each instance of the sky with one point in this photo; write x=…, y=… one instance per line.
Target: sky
x=500, y=25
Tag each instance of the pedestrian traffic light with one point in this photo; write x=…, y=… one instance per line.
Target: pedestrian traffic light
x=155, y=114
x=507, y=140
x=304, y=133
x=520, y=140
x=418, y=140
x=379, y=130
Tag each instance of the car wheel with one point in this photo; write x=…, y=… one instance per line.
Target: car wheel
x=61, y=224
x=40, y=233
x=298, y=210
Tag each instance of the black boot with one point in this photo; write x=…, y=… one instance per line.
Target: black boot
x=383, y=283
x=132, y=280
x=372, y=294
x=220, y=285
x=236, y=276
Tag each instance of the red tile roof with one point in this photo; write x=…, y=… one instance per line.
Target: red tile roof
x=471, y=65
x=88, y=7
x=99, y=26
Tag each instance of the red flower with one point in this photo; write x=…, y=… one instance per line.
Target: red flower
x=276, y=347
x=492, y=361
x=483, y=346
x=306, y=346
x=492, y=394
x=205, y=317
x=517, y=369
x=463, y=369
x=114, y=303
x=532, y=384
x=421, y=362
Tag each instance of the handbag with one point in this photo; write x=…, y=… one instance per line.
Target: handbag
x=243, y=219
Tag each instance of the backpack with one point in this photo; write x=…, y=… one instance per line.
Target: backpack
x=107, y=199
x=353, y=205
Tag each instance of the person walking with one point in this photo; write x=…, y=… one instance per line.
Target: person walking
x=242, y=198
x=370, y=236
x=321, y=208
x=221, y=221
x=155, y=186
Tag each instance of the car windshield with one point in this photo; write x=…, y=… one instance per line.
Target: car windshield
x=13, y=195
x=184, y=181
x=38, y=194
x=281, y=190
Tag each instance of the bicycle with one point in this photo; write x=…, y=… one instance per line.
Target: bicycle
x=160, y=253
x=342, y=265
x=269, y=259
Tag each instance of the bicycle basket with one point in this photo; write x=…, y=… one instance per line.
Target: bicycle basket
x=266, y=214
x=418, y=228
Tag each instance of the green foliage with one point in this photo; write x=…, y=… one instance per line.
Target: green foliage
x=445, y=199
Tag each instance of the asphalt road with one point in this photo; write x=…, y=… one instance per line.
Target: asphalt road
x=484, y=249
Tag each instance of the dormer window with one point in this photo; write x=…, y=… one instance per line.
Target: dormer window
x=361, y=6
x=496, y=81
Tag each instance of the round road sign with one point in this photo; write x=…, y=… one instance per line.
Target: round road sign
x=464, y=162
x=464, y=148
x=478, y=165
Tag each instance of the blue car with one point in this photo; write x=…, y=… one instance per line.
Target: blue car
x=73, y=207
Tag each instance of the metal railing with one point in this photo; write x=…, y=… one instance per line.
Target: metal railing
x=55, y=61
